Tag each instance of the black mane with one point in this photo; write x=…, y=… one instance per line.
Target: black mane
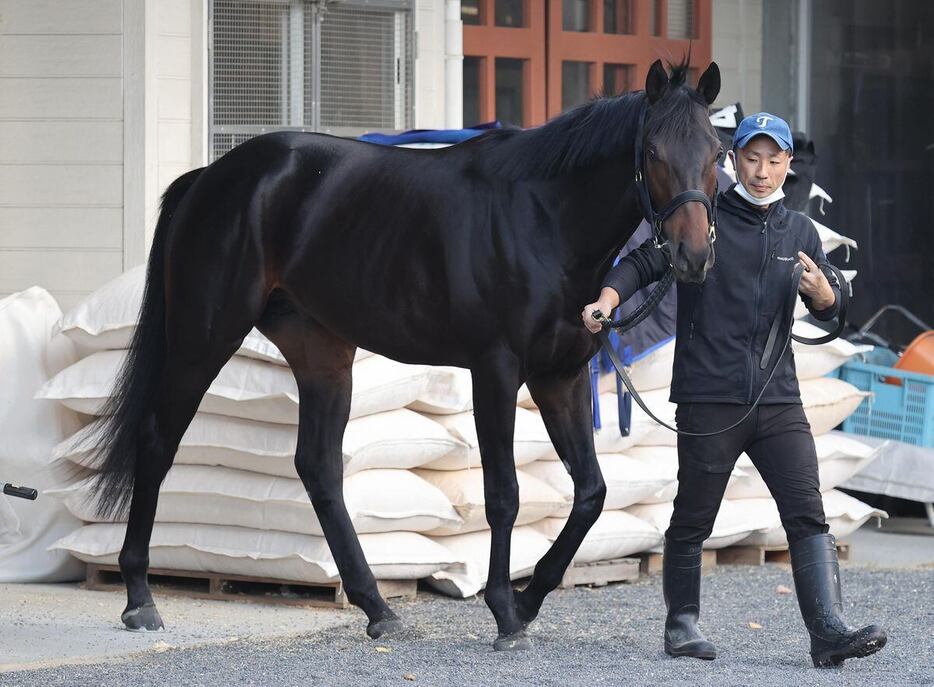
x=602, y=128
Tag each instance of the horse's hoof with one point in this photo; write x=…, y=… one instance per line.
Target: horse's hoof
x=517, y=641
x=386, y=626
x=144, y=618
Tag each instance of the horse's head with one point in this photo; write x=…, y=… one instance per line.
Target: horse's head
x=680, y=151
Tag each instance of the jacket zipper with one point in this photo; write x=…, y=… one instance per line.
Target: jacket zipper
x=750, y=365
x=694, y=312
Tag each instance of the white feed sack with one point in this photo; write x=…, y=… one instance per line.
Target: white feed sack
x=844, y=515
x=615, y=534
x=816, y=361
x=839, y=457
x=733, y=523
x=247, y=388
x=376, y=500
x=473, y=551
x=464, y=489
x=828, y=402
x=29, y=355
x=393, y=439
x=531, y=440
x=628, y=481
x=261, y=553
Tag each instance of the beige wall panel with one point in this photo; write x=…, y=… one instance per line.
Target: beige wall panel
x=30, y=185
x=65, y=270
x=174, y=57
x=175, y=16
x=174, y=98
x=61, y=227
x=61, y=98
x=60, y=16
x=174, y=142
x=61, y=141
x=60, y=55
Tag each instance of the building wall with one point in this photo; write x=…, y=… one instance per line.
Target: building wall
x=429, y=96
x=61, y=145
x=737, y=50
x=173, y=65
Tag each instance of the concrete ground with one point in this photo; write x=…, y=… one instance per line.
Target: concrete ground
x=63, y=635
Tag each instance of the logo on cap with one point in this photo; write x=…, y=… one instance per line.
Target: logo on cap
x=763, y=121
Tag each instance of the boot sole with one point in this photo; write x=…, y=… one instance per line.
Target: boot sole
x=862, y=649
x=690, y=652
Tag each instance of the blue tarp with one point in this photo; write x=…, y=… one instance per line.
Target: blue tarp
x=430, y=135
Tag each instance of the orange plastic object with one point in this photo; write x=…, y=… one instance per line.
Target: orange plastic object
x=918, y=357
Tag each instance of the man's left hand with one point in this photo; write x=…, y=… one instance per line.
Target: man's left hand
x=814, y=284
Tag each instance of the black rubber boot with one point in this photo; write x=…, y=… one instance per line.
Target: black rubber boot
x=817, y=581
x=681, y=573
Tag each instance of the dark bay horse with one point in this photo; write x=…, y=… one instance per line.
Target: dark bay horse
x=479, y=256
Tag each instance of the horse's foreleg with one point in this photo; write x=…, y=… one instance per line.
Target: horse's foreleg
x=494, y=389
x=564, y=403
x=322, y=364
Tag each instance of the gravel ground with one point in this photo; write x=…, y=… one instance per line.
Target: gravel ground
x=608, y=636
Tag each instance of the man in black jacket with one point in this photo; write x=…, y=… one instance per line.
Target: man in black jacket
x=721, y=362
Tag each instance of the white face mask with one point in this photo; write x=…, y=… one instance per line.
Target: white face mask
x=774, y=196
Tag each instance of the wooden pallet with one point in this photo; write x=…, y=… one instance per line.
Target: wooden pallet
x=760, y=555
x=651, y=563
x=218, y=586
x=601, y=573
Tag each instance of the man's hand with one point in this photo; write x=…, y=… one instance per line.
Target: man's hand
x=814, y=284
x=608, y=300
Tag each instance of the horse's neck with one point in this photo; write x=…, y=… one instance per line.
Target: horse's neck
x=603, y=213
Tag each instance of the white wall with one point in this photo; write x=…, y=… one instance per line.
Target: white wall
x=430, y=82
x=61, y=145
x=173, y=65
x=737, y=50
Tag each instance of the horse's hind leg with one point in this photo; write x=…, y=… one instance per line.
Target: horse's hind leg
x=564, y=403
x=322, y=364
x=204, y=327
x=184, y=381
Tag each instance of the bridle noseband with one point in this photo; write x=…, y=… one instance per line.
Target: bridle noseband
x=655, y=219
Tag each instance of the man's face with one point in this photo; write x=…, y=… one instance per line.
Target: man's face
x=761, y=166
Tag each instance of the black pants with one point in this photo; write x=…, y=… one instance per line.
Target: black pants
x=778, y=440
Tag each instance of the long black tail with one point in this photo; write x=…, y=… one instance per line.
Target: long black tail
x=117, y=437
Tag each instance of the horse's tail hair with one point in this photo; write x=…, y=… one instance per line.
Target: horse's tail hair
x=117, y=437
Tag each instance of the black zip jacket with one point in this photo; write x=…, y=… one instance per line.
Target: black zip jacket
x=723, y=323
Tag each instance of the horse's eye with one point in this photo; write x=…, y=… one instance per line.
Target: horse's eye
x=652, y=154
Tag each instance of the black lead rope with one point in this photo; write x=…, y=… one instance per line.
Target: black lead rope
x=784, y=315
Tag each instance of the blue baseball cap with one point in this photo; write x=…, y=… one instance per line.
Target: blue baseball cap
x=764, y=124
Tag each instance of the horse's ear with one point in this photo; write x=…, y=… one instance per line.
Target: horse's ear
x=709, y=84
x=656, y=82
